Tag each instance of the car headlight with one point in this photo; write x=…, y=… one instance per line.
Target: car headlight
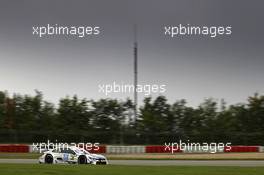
x=92, y=158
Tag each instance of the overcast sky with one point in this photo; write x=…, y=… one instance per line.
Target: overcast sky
x=193, y=68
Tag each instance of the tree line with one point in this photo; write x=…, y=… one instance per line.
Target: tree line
x=27, y=119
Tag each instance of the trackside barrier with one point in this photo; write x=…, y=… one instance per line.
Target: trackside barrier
x=261, y=149
x=23, y=148
x=243, y=149
x=14, y=148
x=125, y=149
x=101, y=149
x=197, y=149
x=161, y=149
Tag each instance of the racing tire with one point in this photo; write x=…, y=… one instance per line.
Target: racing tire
x=48, y=159
x=82, y=159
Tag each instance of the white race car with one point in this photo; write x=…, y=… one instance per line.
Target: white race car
x=72, y=155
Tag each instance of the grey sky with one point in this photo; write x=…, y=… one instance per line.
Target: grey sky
x=229, y=67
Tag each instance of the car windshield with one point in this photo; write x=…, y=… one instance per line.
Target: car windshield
x=84, y=151
x=78, y=151
x=81, y=151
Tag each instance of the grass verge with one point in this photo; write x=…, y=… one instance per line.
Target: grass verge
x=37, y=169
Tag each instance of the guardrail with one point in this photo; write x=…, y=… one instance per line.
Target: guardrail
x=160, y=149
x=243, y=149
x=133, y=149
x=14, y=148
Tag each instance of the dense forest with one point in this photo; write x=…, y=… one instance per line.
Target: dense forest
x=27, y=119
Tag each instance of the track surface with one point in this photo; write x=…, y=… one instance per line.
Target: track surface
x=245, y=163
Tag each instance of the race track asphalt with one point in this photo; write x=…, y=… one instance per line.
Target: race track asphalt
x=242, y=163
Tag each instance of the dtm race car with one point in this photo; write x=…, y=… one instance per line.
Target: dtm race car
x=71, y=155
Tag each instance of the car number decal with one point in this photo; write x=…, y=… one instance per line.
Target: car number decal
x=65, y=157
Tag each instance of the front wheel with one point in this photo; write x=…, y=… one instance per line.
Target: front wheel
x=82, y=159
x=49, y=159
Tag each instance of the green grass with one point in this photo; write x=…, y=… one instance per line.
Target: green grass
x=37, y=169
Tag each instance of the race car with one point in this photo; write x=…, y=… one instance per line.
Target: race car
x=71, y=155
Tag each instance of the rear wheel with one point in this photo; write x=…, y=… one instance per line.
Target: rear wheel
x=82, y=159
x=49, y=159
